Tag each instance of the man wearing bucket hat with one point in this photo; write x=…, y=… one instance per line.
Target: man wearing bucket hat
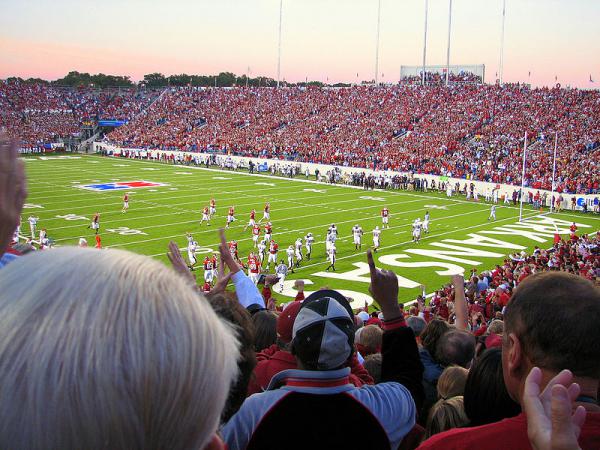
x=315, y=406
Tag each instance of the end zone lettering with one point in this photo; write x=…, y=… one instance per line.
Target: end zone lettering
x=114, y=186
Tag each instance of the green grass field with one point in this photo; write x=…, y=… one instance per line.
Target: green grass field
x=459, y=236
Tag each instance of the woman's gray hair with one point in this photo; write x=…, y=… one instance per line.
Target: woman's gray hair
x=108, y=349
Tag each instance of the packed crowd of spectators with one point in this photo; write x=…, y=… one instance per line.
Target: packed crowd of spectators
x=108, y=349
x=467, y=130
x=39, y=114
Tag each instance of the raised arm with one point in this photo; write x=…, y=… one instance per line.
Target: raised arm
x=400, y=355
x=460, y=302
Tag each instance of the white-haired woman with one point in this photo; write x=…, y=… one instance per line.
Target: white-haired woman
x=108, y=350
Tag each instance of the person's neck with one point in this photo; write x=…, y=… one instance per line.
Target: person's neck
x=588, y=393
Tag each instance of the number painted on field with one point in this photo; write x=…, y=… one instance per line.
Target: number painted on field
x=317, y=191
x=125, y=231
x=72, y=217
x=31, y=206
x=200, y=250
x=375, y=199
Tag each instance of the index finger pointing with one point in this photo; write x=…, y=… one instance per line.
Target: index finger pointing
x=372, y=267
x=222, y=234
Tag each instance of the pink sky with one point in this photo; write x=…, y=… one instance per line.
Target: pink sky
x=322, y=39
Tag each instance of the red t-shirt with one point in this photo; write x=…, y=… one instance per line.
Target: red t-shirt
x=506, y=434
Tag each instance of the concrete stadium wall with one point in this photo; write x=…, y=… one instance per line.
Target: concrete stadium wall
x=480, y=186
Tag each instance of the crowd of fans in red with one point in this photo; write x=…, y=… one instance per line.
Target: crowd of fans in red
x=467, y=130
x=38, y=114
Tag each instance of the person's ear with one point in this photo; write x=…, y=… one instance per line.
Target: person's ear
x=515, y=356
x=216, y=443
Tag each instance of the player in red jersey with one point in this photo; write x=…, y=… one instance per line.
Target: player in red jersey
x=252, y=220
x=385, y=217
x=233, y=249
x=213, y=207
x=573, y=229
x=230, y=216
x=208, y=270
x=205, y=216
x=273, y=249
x=255, y=234
x=95, y=225
x=267, y=213
x=268, y=232
x=253, y=268
x=206, y=288
x=125, y=203
x=98, y=242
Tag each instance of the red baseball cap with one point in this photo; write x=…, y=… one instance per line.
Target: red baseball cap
x=285, y=321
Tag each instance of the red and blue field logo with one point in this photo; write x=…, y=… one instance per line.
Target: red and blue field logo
x=120, y=185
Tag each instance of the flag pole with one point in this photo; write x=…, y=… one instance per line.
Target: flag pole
x=377, y=43
x=523, y=179
x=553, y=172
x=448, y=50
x=279, y=47
x=502, y=43
x=425, y=43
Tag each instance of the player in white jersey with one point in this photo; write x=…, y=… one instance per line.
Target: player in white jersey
x=290, y=257
x=376, y=237
x=309, y=239
x=495, y=195
x=125, y=203
x=488, y=195
x=43, y=235
x=330, y=241
x=281, y=270
x=32, y=224
x=417, y=230
x=298, y=251
x=333, y=229
x=262, y=247
x=426, y=223
x=191, y=251
x=212, y=210
x=17, y=233
x=492, y=213
x=357, y=233
x=448, y=190
x=331, y=257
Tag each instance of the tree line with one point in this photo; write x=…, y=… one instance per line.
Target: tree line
x=158, y=80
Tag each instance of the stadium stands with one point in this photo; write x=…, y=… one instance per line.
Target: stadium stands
x=468, y=130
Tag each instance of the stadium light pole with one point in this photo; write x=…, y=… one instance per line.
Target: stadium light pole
x=501, y=71
x=523, y=179
x=553, y=172
x=377, y=43
x=279, y=46
x=425, y=43
x=448, y=50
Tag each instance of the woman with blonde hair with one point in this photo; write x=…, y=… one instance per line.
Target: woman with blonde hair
x=446, y=415
x=451, y=382
x=109, y=350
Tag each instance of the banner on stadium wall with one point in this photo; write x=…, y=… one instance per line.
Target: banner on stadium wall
x=263, y=167
x=443, y=178
x=111, y=123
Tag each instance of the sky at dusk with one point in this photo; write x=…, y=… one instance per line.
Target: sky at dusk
x=322, y=39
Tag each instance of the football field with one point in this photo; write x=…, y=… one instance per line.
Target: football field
x=65, y=192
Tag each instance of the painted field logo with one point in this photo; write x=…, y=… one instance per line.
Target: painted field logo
x=119, y=185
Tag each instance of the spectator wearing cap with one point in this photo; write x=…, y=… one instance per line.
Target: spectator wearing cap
x=277, y=357
x=320, y=392
x=550, y=323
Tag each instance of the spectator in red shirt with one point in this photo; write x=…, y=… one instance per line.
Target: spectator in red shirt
x=552, y=323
